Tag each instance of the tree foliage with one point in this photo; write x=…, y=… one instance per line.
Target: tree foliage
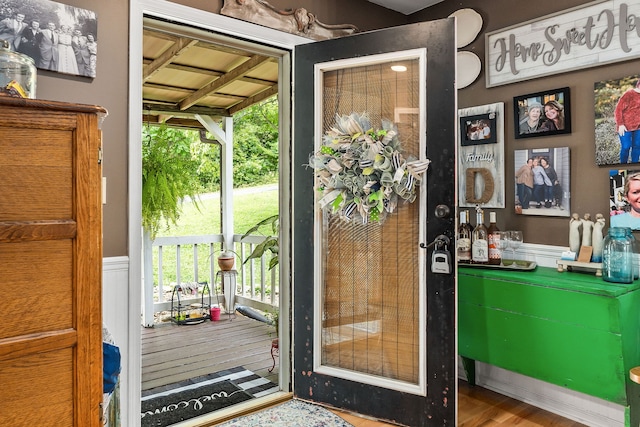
x=176, y=164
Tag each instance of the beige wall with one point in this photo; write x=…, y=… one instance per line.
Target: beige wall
x=110, y=87
x=589, y=183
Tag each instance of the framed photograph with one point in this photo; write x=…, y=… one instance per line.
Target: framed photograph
x=481, y=156
x=542, y=181
x=617, y=141
x=58, y=37
x=542, y=113
x=478, y=129
x=624, y=211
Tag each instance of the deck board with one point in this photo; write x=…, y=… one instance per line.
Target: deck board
x=173, y=353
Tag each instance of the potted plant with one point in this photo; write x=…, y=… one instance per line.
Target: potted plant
x=270, y=242
x=226, y=260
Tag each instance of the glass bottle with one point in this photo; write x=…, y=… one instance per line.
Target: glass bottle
x=495, y=254
x=464, y=239
x=480, y=240
x=617, y=257
x=18, y=73
x=635, y=253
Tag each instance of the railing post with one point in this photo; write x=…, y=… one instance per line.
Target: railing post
x=147, y=257
x=160, y=276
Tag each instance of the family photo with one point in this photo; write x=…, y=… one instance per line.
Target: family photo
x=56, y=36
x=478, y=129
x=617, y=120
x=542, y=181
x=624, y=198
x=542, y=113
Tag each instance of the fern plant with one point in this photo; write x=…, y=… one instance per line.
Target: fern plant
x=169, y=174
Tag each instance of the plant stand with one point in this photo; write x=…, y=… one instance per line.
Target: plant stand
x=275, y=352
x=194, y=313
x=228, y=286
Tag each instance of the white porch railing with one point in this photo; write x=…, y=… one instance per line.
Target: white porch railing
x=196, y=263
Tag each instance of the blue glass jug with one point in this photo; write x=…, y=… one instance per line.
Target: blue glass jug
x=617, y=256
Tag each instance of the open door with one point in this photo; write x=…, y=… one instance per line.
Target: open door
x=374, y=326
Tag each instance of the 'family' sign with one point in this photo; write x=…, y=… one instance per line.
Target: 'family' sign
x=593, y=34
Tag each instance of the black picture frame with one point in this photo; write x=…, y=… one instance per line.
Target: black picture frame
x=554, y=99
x=478, y=129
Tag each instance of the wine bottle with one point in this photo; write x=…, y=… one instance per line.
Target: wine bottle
x=480, y=242
x=495, y=254
x=464, y=239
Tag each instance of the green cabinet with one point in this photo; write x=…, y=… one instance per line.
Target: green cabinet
x=570, y=329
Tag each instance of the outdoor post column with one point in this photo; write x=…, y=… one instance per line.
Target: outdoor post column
x=225, y=137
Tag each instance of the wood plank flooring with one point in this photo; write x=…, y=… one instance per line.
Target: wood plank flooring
x=172, y=353
x=480, y=407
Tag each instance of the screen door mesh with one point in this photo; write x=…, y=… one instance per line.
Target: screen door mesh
x=370, y=272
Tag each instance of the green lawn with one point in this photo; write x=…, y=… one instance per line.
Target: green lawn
x=251, y=205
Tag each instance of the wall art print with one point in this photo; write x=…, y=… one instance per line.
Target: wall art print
x=590, y=35
x=58, y=37
x=542, y=114
x=617, y=120
x=481, y=156
x=543, y=181
x=624, y=208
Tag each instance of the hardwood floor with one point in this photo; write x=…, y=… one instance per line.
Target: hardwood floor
x=479, y=406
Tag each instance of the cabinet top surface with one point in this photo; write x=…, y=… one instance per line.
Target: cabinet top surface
x=552, y=278
x=13, y=102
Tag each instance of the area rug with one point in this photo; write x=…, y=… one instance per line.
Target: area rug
x=173, y=403
x=294, y=413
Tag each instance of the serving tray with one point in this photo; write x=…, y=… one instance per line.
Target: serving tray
x=519, y=266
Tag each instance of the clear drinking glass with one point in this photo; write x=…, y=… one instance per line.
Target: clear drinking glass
x=515, y=241
x=502, y=244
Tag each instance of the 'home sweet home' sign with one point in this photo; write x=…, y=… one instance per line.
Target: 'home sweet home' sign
x=593, y=34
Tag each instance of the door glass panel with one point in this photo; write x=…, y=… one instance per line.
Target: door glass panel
x=370, y=302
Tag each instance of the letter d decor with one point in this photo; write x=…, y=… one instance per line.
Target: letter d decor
x=481, y=156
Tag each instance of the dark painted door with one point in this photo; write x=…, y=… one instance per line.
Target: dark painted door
x=373, y=325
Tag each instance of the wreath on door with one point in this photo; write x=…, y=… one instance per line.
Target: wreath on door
x=361, y=172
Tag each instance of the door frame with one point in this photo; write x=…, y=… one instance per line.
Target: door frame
x=240, y=30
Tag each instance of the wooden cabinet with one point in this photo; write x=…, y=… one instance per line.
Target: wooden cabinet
x=570, y=329
x=50, y=263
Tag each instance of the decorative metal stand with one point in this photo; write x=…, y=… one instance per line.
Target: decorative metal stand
x=228, y=287
x=194, y=313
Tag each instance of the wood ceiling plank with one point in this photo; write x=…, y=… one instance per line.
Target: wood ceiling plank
x=181, y=46
x=224, y=80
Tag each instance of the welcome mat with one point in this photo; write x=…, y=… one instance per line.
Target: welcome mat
x=173, y=403
x=294, y=413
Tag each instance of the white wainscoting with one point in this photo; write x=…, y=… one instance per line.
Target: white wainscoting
x=577, y=406
x=115, y=316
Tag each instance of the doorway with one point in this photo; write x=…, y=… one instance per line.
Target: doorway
x=273, y=43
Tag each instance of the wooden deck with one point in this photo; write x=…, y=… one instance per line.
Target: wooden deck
x=173, y=353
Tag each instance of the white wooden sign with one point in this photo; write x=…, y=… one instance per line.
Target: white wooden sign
x=590, y=35
x=481, y=165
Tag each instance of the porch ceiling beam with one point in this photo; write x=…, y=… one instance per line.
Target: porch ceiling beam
x=273, y=90
x=210, y=72
x=181, y=45
x=226, y=79
x=189, y=112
